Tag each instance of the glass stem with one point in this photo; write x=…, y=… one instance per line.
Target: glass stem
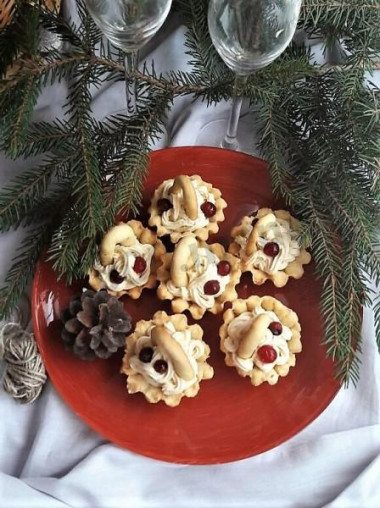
x=131, y=60
x=230, y=140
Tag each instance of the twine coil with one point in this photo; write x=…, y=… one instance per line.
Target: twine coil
x=25, y=373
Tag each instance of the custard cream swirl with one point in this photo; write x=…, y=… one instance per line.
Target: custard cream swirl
x=237, y=329
x=278, y=232
x=176, y=219
x=169, y=382
x=123, y=262
x=204, y=269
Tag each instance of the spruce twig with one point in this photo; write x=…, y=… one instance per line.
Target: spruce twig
x=23, y=268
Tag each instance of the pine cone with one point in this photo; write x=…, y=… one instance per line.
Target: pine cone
x=95, y=325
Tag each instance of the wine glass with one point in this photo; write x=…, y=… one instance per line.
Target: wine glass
x=248, y=35
x=129, y=24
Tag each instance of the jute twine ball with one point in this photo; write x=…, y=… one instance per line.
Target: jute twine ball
x=24, y=375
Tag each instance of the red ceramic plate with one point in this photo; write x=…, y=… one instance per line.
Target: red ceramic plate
x=229, y=419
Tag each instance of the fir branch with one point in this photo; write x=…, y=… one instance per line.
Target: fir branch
x=127, y=183
x=357, y=219
x=88, y=256
x=343, y=15
x=328, y=265
x=350, y=316
x=207, y=64
x=353, y=4
x=176, y=83
x=19, y=198
x=315, y=146
x=43, y=137
x=23, y=268
x=20, y=36
x=14, y=124
x=66, y=30
x=8, y=35
x=87, y=186
x=45, y=70
x=65, y=245
x=83, y=221
x=355, y=22
x=129, y=165
x=53, y=203
x=88, y=31
x=272, y=124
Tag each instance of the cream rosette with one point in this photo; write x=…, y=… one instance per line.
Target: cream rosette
x=165, y=359
x=198, y=277
x=129, y=257
x=268, y=247
x=260, y=338
x=186, y=206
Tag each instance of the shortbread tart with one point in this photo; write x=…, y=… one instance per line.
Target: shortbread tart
x=260, y=338
x=199, y=277
x=186, y=205
x=165, y=359
x=129, y=257
x=268, y=247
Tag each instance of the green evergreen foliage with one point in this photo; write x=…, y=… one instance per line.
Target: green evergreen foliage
x=318, y=127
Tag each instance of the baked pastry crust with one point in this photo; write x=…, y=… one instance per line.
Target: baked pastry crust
x=144, y=236
x=285, y=315
x=180, y=304
x=202, y=233
x=279, y=278
x=136, y=382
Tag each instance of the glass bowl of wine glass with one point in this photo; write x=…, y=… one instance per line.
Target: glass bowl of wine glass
x=129, y=25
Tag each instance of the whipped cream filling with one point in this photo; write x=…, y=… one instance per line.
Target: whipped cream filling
x=204, y=270
x=238, y=327
x=169, y=382
x=123, y=262
x=176, y=219
x=278, y=232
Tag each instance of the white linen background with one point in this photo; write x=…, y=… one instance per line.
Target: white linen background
x=49, y=458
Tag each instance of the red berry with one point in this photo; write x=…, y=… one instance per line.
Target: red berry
x=271, y=249
x=160, y=366
x=163, y=205
x=224, y=268
x=275, y=327
x=209, y=209
x=140, y=265
x=146, y=354
x=267, y=354
x=211, y=287
x=115, y=277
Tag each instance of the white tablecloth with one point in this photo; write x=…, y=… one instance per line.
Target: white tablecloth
x=49, y=458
